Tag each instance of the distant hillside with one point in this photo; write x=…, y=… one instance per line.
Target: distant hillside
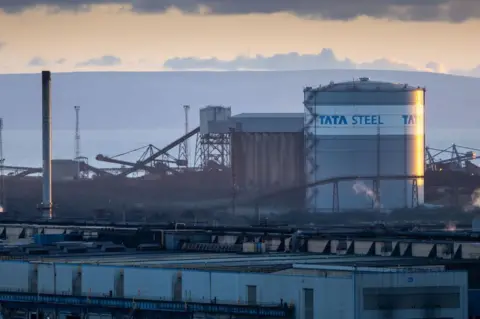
x=154, y=100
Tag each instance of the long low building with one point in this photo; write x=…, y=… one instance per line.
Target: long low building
x=268, y=285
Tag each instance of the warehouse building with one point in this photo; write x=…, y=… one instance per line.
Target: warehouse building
x=272, y=285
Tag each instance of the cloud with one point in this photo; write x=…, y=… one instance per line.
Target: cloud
x=475, y=72
x=290, y=61
x=106, y=60
x=435, y=67
x=37, y=61
x=2, y=44
x=61, y=61
x=406, y=10
x=326, y=59
x=386, y=64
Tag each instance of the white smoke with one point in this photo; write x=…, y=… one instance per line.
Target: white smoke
x=476, y=198
x=475, y=201
x=361, y=188
x=450, y=226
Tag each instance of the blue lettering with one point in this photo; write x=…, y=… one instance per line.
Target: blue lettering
x=409, y=119
x=367, y=120
x=333, y=120
x=358, y=119
x=322, y=119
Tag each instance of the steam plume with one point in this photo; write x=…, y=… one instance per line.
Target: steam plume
x=361, y=188
x=475, y=202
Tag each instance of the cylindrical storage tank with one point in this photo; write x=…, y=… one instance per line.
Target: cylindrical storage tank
x=365, y=142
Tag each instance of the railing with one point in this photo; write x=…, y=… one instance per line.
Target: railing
x=213, y=307
x=18, y=257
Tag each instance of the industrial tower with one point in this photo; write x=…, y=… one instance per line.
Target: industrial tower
x=213, y=146
x=3, y=205
x=183, y=149
x=77, y=132
x=78, y=157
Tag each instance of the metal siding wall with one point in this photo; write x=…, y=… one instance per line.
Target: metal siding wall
x=224, y=286
x=18, y=282
x=64, y=170
x=197, y=285
x=150, y=282
x=65, y=275
x=98, y=280
x=266, y=160
x=406, y=279
x=46, y=279
x=64, y=280
x=333, y=296
x=356, y=156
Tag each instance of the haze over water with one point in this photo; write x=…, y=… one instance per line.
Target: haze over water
x=124, y=111
x=23, y=147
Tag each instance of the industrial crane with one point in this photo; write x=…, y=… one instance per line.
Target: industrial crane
x=457, y=160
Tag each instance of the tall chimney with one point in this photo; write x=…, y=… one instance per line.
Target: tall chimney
x=46, y=205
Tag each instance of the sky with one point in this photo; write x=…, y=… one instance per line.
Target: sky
x=155, y=35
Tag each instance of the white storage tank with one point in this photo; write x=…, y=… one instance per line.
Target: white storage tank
x=368, y=129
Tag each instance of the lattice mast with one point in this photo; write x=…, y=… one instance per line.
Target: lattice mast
x=2, y=175
x=77, y=132
x=183, y=151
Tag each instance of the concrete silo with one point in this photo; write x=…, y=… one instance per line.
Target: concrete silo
x=364, y=146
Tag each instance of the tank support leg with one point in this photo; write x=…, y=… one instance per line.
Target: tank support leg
x=414, y=193
x=376, y=191
x=336, y=204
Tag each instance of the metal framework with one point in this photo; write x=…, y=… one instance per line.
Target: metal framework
x=336, y=180
x=212, y=150
x=310, y=131
x=3, y=205
x=183, y=149
x=77, y=132
x=457, y=158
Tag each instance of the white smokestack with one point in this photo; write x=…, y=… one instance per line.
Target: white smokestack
x=46, y=205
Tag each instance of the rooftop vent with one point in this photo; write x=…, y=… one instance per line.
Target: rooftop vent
x=364, y=79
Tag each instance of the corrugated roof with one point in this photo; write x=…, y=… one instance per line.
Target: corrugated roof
x=269, y=115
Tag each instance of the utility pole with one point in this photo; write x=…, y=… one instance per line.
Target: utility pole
x=3, y=201
x=77, y=139
x=183, y=151
x=77, y=132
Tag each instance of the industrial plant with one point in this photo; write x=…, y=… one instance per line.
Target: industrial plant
x=355, y=146
x=160, y=237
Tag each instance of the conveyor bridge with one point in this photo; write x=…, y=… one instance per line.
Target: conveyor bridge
x=16, y=300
